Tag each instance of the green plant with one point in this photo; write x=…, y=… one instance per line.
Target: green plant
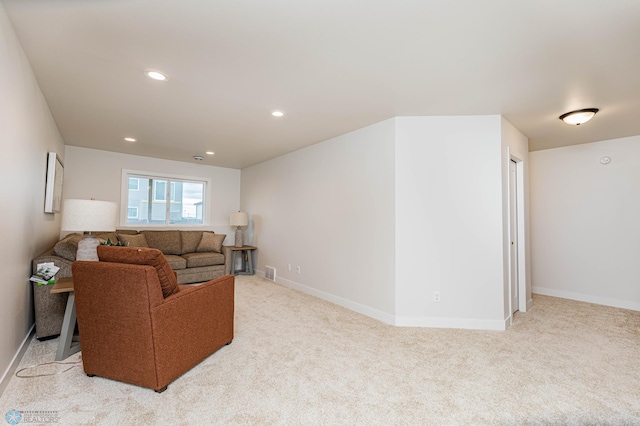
x=109, y=243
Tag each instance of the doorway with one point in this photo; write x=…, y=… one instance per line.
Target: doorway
x=514, y=287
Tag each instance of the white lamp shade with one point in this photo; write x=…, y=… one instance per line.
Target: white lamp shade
x=89, y=216
x=239, y=219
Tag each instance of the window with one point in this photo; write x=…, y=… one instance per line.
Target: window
x=134, y=184
x=159, y=190
x=163, y=199
x=132, y=212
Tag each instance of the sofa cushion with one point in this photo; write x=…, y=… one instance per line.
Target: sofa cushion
x=67, y=247
x=211, y=242
x=176, y=262
x=126, y=231
x=143, y=256
x=190, y=241
x=133, y=240
x=203, y=259
x=168, y=242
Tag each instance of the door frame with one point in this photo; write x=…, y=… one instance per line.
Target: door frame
x=521, y=234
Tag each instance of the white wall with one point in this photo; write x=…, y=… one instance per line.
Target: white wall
x=449, y=222
x=27, y=133
x=91, y=173
x=382, y=217
x=330, y=209
x=584, y=222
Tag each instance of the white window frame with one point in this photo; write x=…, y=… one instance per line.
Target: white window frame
x=124, y=198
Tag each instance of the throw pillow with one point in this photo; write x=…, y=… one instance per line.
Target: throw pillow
x=168, y=242
x=143, y=256
x=67, y=247
x=211, y=242
x=138, y=240
x=190, y=241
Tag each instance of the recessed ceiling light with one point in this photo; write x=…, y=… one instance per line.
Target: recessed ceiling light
x=579, y=117
x=198, y=158
x=130, y=139
x=156, y=75
x=210, y=152
x=277, y=113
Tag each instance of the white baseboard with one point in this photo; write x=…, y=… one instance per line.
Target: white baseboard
x=581, y=297
x=464, y=323
x=8, y=373
x=471, y=324
x=356, y=307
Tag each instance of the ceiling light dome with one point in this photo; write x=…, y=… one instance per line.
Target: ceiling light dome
x=277, y=113
x=579, y=117
x=156, y=75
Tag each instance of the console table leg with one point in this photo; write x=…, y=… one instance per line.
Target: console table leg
x=249, y=262
x=65, y=345
x=233, y=263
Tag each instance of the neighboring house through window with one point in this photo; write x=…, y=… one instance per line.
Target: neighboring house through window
x=132, y=212
x=134, y=184
x=161, y=199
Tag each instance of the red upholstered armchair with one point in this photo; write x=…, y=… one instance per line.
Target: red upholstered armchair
x=137, y=325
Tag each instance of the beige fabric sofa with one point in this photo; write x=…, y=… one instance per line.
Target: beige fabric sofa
x=195, y=256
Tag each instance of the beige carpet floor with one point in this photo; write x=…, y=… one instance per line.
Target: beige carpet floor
x=298, y=360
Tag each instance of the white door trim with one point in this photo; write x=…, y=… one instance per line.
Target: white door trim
x=521, y=234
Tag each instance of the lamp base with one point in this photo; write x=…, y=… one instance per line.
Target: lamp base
x=239, y=237
x=88, y=249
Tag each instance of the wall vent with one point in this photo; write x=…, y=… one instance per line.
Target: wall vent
x=270, y=273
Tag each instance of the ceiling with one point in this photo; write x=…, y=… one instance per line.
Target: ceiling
x=332, y=66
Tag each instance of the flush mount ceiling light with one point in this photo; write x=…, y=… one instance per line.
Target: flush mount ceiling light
x=198, y=158
x=277, y=113
x=156, y=75
x=579, y=117
x=210, y=152
x=130, y=139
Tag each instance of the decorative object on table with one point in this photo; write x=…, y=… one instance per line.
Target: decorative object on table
x=89, y=216
x=108, y=242
x=53, y=189
x=45, y=274
x=239, y=219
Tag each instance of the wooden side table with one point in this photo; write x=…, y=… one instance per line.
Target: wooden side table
x=245, y=251
x=66, y=345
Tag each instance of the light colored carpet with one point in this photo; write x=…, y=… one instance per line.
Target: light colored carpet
x=299, y=360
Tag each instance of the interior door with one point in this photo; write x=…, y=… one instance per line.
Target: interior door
x=513, y=234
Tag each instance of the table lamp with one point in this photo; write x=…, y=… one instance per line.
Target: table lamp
x=89, y=216
x=239, y=219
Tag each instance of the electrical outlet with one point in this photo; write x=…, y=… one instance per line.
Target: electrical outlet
x=436, y=297
x=298, y=269
x=288, y=267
